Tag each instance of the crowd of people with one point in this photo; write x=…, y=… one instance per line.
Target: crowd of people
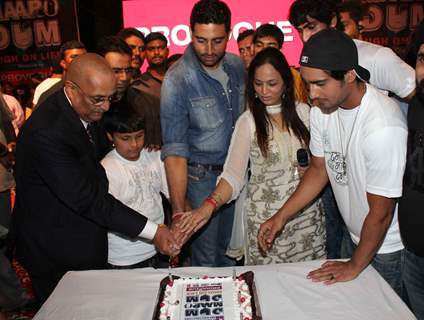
x=212, y=159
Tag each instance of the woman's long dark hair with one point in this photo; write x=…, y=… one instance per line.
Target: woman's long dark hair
x=289, y=115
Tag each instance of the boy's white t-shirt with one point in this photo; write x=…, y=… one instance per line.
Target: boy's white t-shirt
x=137, y=184
x=373, y=138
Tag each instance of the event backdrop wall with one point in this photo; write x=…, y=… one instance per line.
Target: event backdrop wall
x=173, y=19
x=389, y=22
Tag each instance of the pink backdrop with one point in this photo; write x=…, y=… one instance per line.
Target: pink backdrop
x=172, y=17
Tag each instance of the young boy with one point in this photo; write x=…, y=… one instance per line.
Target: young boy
x=136, y=177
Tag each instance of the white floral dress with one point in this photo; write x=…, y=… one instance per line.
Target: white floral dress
x=272, y=182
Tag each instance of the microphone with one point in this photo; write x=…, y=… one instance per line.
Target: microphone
x=302, y=157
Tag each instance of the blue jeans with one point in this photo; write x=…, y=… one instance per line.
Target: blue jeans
x=334, y=224
x=413, y=280
x=388, y=265
x=210, y=243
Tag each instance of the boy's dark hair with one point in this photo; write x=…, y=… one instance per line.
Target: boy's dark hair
x=112, y=44
x=246, y=33
x=269, y=30
x=152, y=36
x=128, y=32
x=68, y=45
x=355, y=9
x=211, y=11
x=322, y=10
x=122, y=118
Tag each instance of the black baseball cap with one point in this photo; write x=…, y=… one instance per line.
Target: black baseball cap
x=332, y=50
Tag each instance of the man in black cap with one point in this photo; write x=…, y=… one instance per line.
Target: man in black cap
x=358, y=143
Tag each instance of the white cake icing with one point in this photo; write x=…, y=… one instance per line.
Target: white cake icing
x=206, y=299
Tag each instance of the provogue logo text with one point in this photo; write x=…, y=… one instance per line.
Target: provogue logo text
x=179, y=34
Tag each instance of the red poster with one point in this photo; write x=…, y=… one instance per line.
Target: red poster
x=31, y=33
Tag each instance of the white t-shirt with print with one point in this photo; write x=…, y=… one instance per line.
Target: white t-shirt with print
x=137, y=184
x=373, y=139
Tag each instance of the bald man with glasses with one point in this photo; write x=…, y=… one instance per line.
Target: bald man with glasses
x=63, y=209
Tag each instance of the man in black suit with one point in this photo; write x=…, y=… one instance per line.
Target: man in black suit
x=63, y=209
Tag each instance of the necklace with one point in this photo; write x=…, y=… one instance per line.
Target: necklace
x=343, y=151
x=274, y=109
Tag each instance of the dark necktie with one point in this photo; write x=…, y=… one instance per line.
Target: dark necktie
x=91, y=133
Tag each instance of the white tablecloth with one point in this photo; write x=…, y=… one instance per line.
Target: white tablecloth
x=283, y=290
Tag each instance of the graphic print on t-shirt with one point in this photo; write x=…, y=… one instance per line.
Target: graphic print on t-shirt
x=337, y=166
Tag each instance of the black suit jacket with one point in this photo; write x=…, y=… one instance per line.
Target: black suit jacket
x=63, y=209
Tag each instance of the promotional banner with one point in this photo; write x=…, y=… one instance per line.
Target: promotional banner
x=172, y=18
x=31, y=33
x=391, y=23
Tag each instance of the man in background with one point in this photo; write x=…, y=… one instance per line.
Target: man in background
x=245, y=46
x=156, y=55
x=118, y=54
x=411, y=218
x=68, y=52
x=135, y=39
x=351, y=17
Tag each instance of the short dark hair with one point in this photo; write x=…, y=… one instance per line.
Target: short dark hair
x=68, y=45
x=246, y=33
x=211, y=11
x=128, y=32
x=122, y=118
x=355, y=9
x=152, y=36
x=270, y=30
x=112, y=44
x=322, y=10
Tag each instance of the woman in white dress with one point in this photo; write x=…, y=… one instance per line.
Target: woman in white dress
x=268, y=134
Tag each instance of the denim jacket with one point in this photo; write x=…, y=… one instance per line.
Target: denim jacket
x=197, y=117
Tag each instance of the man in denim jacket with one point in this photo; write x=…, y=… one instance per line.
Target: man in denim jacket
x=201, y=98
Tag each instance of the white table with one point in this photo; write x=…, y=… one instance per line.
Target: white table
x=283, y=290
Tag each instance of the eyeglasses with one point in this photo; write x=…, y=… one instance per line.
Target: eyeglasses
x=97, y=101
